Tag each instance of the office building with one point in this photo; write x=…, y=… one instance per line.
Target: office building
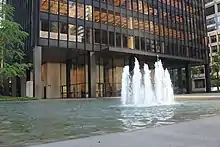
x=78, y=48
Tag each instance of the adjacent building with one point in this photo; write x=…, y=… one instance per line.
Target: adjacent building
x=79, y=48
x=213, y=33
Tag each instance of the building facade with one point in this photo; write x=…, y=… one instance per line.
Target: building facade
x=213, y=28
x=79, y=48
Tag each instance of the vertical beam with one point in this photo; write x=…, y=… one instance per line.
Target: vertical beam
x=23, y=86
x=6, y=86
x=188, y=79
x=180, y=79
x=68, y=82
x=14, y=86
x=92, y=74
x=207, y=78
x=37, y=60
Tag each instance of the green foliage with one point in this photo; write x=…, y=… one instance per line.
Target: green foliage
x=196, y=70
x=12, y=37
x=215, y=69
x=216, y=63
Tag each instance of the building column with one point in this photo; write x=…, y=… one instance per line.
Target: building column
x=37, y=82
x=23, y=86
x=6, y=86
x=14, y=86
x=92, y=74
x=207, y=78
x=180, y=79
x=68, y=82
x=188, y=79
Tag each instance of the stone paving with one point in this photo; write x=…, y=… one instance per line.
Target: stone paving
x=198, y=133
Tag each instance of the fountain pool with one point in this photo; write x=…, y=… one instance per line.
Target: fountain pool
x=28, y=123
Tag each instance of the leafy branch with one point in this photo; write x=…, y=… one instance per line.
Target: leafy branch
x=12, y=37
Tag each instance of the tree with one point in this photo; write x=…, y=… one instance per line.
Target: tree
x=197, y=70
x=216, y=68
x=12, y=37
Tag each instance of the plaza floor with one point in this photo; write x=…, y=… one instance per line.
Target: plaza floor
x=197, y=133
x=198, y=96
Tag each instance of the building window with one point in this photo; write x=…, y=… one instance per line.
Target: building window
x=54, y=30
x=63, y=8
x=202, y=71
x=81, y=34
x=96, y=15
x=44, y=25
x=135, y=6
x=104, y=37
x=88, y=34
x=111, y=39
x=214, y=49
x=104, y=16
x=125, y=41
x=44, y=28
x=44, y=5
x=124, y=21
x=142, y=43
x=218, y=7
x=219, y=37
x=63, y=31
x=129, y=5
x=118, y=39
x=97, y=36
x=72, y=32
x=88, y=15
x=136, y=40
x=80, y=11
x=72, y=9
x=111, y=17
x=136, y=25
x=117, y=19
x=54, y=6
x=210, y=21
x=213, y=28
x=213, y=39
x=199, y=83
x=210, y=10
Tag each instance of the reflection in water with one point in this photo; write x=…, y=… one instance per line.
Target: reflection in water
x=24, y=124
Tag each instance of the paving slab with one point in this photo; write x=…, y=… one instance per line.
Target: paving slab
x=198, y=133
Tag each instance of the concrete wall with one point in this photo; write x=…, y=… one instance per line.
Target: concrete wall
x=55, y=76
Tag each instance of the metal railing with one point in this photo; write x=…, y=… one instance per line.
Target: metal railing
x=102, y=90
x=76, y=91
x=108, y=89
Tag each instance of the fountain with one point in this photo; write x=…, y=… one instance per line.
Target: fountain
x=140, y=89
x=136, y=84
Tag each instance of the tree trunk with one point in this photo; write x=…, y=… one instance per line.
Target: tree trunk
x=217, y=81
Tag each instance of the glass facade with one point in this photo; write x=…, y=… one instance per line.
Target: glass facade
x=170, y=28
x=173, y=27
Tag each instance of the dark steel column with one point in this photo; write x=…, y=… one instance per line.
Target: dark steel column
x=180, y=79
x=23, y=86
x=14, y=86
x=92, y=74
x=68, y=82
x=188, y=79
x=207, y=78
